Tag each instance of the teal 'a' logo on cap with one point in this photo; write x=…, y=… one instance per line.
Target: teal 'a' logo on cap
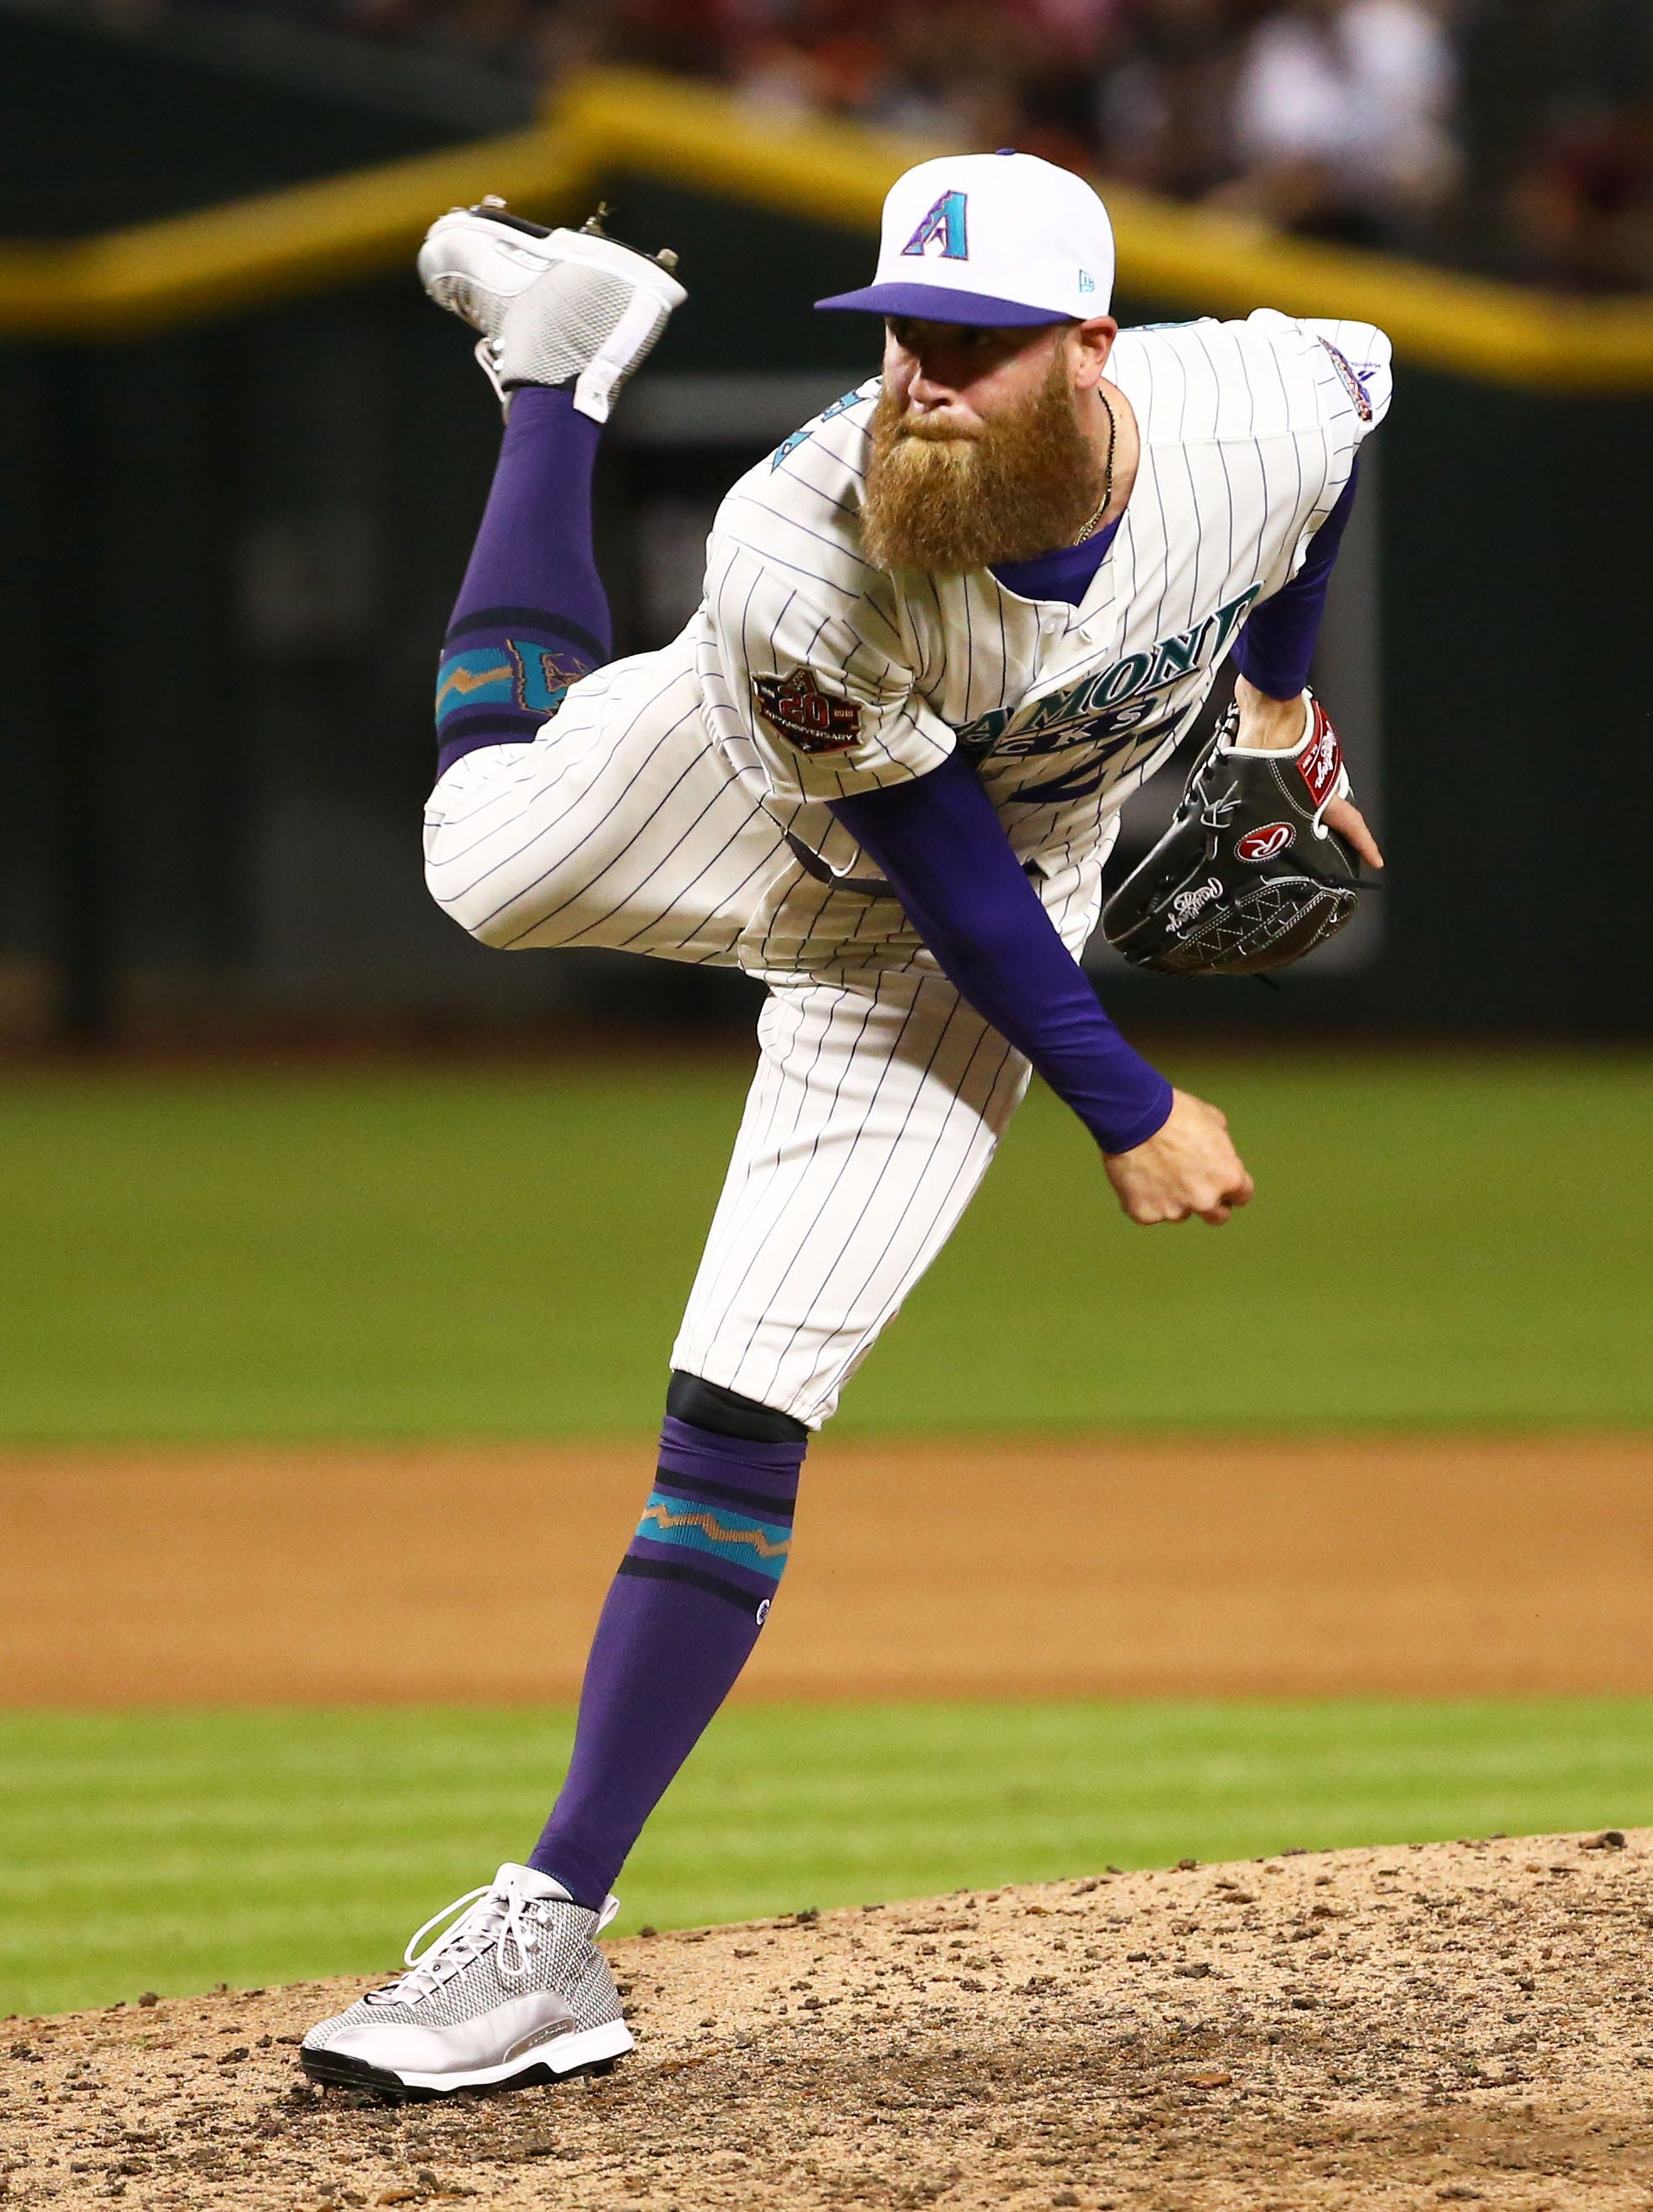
x=942, y=230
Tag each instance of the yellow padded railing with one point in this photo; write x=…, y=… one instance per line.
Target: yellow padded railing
x=608, y=122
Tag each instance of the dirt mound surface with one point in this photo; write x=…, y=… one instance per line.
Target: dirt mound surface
x=1465, y=2022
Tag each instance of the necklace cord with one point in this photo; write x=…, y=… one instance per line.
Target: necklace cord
x=1107, y=472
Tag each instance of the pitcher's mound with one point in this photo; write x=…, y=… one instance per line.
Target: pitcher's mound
x=1461, y=2022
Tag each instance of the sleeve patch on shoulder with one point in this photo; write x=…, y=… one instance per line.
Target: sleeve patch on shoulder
x=808, y=718
x=1350, y=381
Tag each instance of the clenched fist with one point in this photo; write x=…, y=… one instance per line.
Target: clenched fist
x=1188, y=1166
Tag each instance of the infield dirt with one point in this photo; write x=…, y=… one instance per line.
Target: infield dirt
x=1399, y=2028
x=1024, y=1567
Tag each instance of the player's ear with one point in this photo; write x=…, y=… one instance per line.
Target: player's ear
x=1091, y=342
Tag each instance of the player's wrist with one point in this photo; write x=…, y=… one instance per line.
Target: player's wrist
x=1270, y=724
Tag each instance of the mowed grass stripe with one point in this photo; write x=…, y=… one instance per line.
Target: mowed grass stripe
x=173, y=1850
x=1437, y=1242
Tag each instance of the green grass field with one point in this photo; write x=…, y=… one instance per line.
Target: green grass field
x=171, y=1851
x=1437, y=1241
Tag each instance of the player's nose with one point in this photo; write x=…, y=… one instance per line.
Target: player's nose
x=929, y=388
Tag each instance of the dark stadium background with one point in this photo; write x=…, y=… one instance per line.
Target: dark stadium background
x=228, y=548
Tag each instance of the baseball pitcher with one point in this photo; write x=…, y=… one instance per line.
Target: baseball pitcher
x=948, y=627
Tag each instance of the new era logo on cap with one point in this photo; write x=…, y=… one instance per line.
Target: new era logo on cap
x=991, y=238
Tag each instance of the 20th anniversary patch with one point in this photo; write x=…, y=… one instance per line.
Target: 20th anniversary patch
x=814, y=720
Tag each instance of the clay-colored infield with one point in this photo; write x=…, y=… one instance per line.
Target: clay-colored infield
x=1025, y=1568
x=1399, y=2028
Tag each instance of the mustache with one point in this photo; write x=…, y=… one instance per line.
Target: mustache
x=936, y=430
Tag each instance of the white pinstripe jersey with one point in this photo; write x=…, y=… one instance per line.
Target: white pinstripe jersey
x=821, y=675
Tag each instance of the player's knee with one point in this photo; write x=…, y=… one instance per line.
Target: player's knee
x=480, y=916
x=726, y=1413
x=467, y=889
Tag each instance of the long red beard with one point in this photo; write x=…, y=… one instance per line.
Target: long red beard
x=1027, y=483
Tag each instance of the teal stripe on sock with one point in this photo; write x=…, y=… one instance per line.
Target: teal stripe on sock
x=722, y=1532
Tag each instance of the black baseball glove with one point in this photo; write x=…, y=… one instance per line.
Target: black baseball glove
x=1248, y=875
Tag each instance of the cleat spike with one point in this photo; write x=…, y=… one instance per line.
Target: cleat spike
x=666, y=258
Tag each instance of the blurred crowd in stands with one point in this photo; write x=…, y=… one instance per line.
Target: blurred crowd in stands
x=1514, y=135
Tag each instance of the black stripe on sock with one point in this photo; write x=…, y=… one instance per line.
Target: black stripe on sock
x=455, y=749
x=519, y=725
x=528, y=619
x=666, y=1570
x=725, y=1493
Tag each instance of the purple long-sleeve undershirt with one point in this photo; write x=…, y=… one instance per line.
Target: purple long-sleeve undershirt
x=943, y=851
x=1277, y=645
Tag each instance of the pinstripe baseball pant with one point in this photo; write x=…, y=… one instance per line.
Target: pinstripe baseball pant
x=880, y=1096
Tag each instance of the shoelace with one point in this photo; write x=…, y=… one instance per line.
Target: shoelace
x=497, y=1918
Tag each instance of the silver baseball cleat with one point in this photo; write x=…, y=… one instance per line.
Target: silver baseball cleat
x=554, y=307
x=514, y=1991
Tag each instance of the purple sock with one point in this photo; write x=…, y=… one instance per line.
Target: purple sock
x=678, y=1625
x=531, y=616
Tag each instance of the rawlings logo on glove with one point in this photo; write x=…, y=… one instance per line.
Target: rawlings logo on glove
x=1321, y=761
x=1248, y=875
x=1264, y=844
x=1187, y=906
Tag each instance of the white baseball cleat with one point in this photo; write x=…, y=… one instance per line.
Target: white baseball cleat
x=554, y=307
x=514, y=1991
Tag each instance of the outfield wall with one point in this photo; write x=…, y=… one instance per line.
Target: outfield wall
x=229, y=547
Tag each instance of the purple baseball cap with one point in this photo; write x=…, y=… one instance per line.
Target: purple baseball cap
x=940, y=303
